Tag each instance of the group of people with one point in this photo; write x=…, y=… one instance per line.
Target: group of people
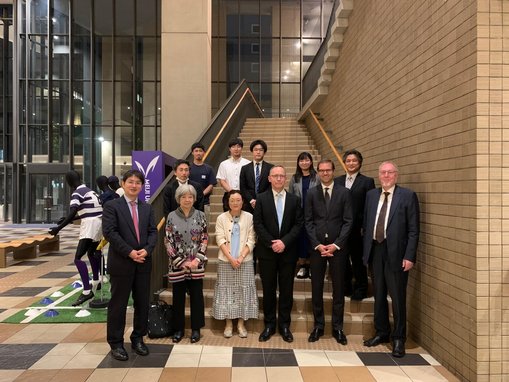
x=342, y=224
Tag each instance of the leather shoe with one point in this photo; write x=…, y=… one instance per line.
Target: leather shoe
x=82, y=298
x=340, y=337
x=140, y=348
x=398, y=348
x=358, y=295
x=177, y=336
x=315, y=335
x=376, y=340
x=119, y=354
x=286, y=334
x=195, y=336
x=266, y=334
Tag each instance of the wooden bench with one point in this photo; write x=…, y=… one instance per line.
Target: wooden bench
x=26, y=248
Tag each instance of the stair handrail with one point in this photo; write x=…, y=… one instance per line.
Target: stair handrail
x=327, y=139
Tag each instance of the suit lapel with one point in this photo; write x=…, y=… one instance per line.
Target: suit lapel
x=124, y=209
x=396, y=198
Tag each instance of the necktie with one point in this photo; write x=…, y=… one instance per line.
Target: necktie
x=235, y=242
x=327, y=197
x=257, y=177
x=349, y=182
x=380, y=224
x=135, y=219
x=279, y=209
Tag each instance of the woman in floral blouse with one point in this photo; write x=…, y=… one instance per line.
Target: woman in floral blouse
x=186, y=243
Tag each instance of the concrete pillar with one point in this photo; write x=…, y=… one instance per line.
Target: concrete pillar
x=186, y=46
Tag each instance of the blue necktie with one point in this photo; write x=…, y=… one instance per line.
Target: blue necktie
x=279, y=209
x=235, y=242
x=257, y=177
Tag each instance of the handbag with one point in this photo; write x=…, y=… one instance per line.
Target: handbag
x=159, y=320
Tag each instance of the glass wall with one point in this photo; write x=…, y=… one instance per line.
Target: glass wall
x=271, y=44
x=89, y=86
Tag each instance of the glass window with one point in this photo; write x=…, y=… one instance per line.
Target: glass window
x=290, y=60
x=38, y=16
x=247, y=57
x=60, y=144
x=38, y=143
x=38, y=102
x=123, y=148
x=249, y=21
x=60, y=103
x=290, y=18
x=124, y=58
x=124, y=17
x=228, y=18
x=269, y=18
x=60, y=61
x=38, y=56
x=158, y=104
x=22, y=56
x=309, y=49
x=269, y=70
x=103, y=17
x=103, y=150
x=311, y=18
x=146, y=102
x=81, y=60
x=123, y=103
x=82, y=17
x=290, y=99
x=269, y=100
x=60, y=17
x=103, y=108
x=146, y=18
x=146, y=58
x=22, y=16
x=103, y=56
x=22, y=101
x=82, y=102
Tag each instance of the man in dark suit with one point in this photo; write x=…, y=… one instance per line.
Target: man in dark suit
x=391, y=234
x=328, y=224
x=128, y=224
x=254, y=176
x=181, y=168
x=358, y=185
x=278, y=222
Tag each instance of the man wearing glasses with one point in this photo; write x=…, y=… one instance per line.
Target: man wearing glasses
x=391, y=234
x=328, y=224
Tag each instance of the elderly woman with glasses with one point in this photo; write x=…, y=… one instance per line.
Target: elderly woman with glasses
x=186, y=243
x=235, y=291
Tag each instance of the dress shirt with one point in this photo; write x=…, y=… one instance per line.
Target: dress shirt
x=380, y=203
x=229, y=170
x=353, y=176
x=329, y=187
x=128, y=201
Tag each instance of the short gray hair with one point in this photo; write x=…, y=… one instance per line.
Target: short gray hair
x=184, y=189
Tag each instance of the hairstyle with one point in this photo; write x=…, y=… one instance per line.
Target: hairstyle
x=258, y=142
x=184, y=189
x=136, y=173
x=323, y=161
x=353, y=152
x=179, y=162
x=227, y=199
x=236, y=141
x=388, y=162
x=102, y=182
x=197, y=145
x=277, y=166
x=298, y=171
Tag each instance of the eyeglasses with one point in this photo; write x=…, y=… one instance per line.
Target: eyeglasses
x=277, y=176
x=326, y=170
x=387, y=172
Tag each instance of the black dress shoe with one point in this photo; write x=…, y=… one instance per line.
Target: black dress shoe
x=286, y=334
x=140, y=348
x=195, y=336
x=82, y=298
x=315, y=335
x=266, y=334
x=358, y=295
x=398, y=348
x=340, y=337
x=376, y=340
x=119, y=354
x=177, y=336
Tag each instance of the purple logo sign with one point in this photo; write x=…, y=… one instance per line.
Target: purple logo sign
x=152, y=165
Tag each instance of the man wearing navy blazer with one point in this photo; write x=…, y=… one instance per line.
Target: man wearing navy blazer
x=391, y=234
x=278, y=222
x=128, y=224
x=328, y=224
x=248, y=175
x=358, y=185
x=182, y=169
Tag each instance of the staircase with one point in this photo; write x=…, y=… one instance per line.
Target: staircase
x=285, y=139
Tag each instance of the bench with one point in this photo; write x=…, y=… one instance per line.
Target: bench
x=26, y=248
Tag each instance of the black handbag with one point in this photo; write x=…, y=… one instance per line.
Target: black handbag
x=159, y=320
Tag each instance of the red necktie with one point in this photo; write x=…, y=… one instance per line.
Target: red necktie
x=380, y=224
x=135, y=219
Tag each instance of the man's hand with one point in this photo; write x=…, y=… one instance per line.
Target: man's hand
x=278, y=246
x=407, y=265
x=136, y=257
x=324, y=251
x=53, y=231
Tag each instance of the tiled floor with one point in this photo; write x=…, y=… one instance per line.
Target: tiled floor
x=79, y=352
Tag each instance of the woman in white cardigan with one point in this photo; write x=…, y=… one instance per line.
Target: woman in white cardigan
x=235, y=291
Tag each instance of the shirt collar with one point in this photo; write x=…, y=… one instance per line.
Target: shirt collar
x=275, y=193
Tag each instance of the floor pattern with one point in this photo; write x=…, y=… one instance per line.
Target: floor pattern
x=79, y=352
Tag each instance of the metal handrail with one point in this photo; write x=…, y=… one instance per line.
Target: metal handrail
x=329, y=141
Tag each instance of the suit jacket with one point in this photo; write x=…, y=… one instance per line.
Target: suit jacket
x=170, y=204
x=360, y=187
x=267, y=229
x=248, y=182
x=402, y=231
x=118, y=229
x=330, y=226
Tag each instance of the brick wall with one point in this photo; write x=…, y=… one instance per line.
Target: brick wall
x=426, y=83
